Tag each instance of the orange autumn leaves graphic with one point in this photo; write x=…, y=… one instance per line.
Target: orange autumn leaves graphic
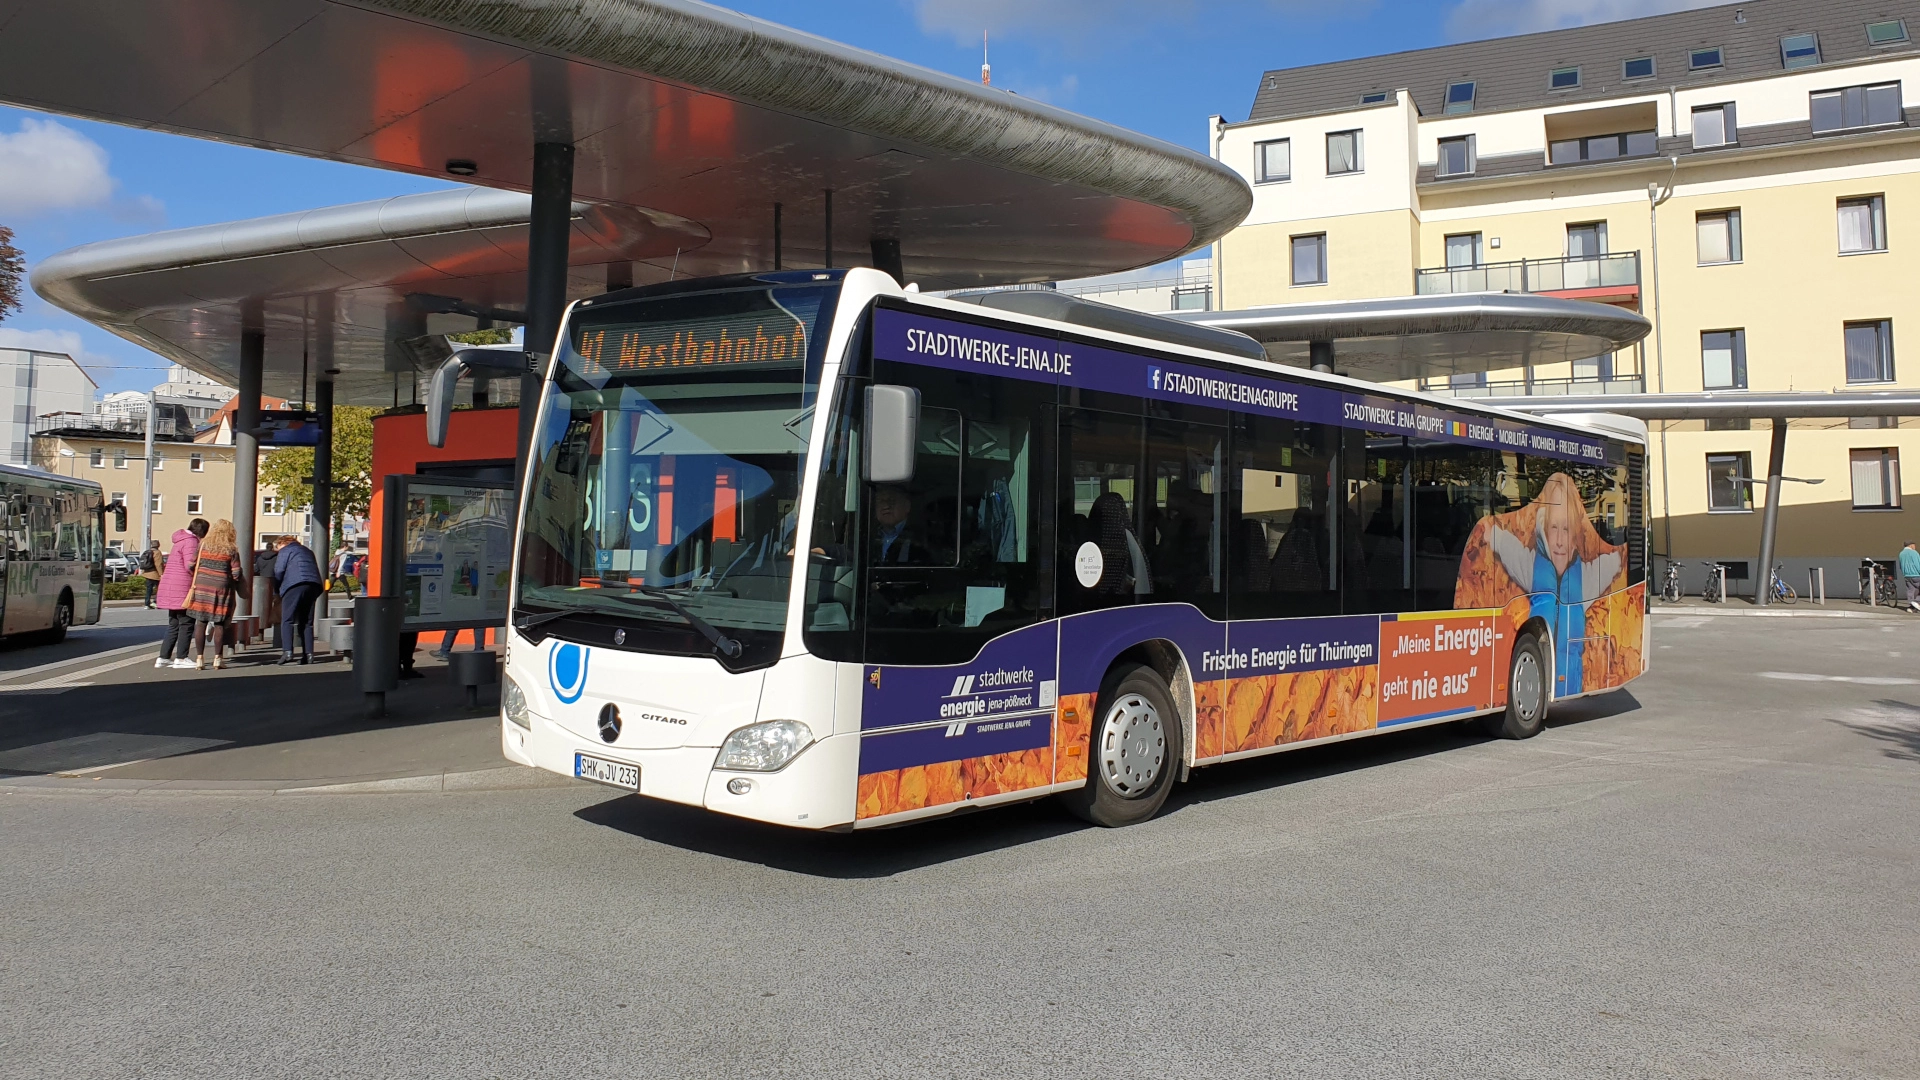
x=922, y=786
x=1269, y=710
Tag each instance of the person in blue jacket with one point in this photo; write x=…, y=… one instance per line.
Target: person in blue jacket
x=1910, y=575
x=298, y=573
x=1558, y=583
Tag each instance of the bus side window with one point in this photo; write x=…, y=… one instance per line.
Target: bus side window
x=1377, y=521
x=1184, y=507
x=1454, y=486
x=1278, y=527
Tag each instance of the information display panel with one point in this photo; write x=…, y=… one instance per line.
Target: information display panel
x=450, y=551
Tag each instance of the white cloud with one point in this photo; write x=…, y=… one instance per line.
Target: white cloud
x=1474, y=19
x=60, y=341
x=47, y=167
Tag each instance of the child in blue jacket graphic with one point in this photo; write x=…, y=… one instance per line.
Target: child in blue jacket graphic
x=1559, y=585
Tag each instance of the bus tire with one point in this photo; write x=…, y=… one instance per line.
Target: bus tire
x=62, y=618
x=1527, y=697
x=1134, y=752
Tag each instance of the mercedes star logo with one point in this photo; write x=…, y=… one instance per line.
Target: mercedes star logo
x=609, y=722
x=619, y=637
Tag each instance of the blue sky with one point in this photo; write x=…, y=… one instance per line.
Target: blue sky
x=1157, y=66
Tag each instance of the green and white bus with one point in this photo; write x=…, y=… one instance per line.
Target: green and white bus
x=54, y=553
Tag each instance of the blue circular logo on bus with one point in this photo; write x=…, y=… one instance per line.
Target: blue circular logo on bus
x=567, y=671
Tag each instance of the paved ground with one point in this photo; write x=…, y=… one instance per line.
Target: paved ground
x=1716, y=874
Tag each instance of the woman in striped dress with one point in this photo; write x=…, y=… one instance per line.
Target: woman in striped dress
x=216, y=584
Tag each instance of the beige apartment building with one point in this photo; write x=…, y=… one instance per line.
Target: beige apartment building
x=1771, y=145
x=190, y=479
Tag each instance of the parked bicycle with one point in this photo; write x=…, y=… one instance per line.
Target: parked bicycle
x=1670, y=584
x=1714, y=592
x=1778, y=591
x=1878, y=581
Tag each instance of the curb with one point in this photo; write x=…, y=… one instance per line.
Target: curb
x=505, y=778
x=1776, y=613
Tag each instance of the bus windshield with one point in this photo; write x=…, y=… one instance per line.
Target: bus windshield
x=666, y=472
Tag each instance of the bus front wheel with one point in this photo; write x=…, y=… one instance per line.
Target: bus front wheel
x=1527, y=684
x=1134, y=753
x=62, y=618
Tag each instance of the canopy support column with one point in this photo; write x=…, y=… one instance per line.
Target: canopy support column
x=246, y=448
x=1320, y=355
x=548, y=232
x=1776, y=464
x=319, y=530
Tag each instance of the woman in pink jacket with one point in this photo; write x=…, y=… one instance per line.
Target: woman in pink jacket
x=176, y=578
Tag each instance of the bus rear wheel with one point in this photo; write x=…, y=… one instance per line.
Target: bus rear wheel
x=62, y=618
x=1134, y=753
x=1527, y=697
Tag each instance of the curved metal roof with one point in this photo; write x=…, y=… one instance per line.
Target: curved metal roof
x=676, y=107
x=1409, y=337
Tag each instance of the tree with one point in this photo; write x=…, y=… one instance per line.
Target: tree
x=498, y=335
x=13, y=268
x=289, y=469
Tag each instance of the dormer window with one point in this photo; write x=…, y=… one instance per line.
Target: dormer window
x=1564, y=79
x=1640, y=67
x=1701, y=59
x=1799, y=51
x=1460, y=97
x=1891, y=32
x=1378, y=98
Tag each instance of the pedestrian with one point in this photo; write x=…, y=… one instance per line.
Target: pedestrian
x=1910, y=574
x=298, y=573
x=151, y=562
x=176, y=581
x=263, y=570
x=217, y=578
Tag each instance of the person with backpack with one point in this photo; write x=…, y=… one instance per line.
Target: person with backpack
x=176, y=581
x=217, y=579
x=150, y=566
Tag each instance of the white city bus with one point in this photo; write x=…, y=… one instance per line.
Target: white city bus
x=806, y=548
x=53, y=553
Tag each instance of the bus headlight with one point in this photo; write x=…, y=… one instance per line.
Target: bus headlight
x=764, y=747
x=513, y=703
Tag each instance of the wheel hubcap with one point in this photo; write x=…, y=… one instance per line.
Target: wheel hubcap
x=1526, y=686
x=1133, y=747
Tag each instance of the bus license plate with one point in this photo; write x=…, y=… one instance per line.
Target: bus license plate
x=601, y=771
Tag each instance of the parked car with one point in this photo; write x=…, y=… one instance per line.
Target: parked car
x=118, y=565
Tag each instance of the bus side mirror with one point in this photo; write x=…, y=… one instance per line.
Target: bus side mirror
x=446, y=378
x=893, y=433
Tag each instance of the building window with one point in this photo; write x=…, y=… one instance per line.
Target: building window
x=97, y=457
x=1640, y=67
x=1463, y=251
x=1310, y=259
x=1273, y=161
x=1456, y=157
x=1863, y=225
x=1723, y=359
x=1459, y=97
x=1856, y=107
x=1564, y=79
x=1603, y=147
x=1876, y=478
x=1701, y=59
x=1193, y=298
x=1799, y=51
x=119, y=458
x=157, y=503
x=1872, y=423
x=1727, y=491
x=196, y=463
x=1586, y=239
x=1713, y=125
x=159, y=463
x=1887, y=33
x=117, y=498
x=1376, y=98
x=1718, y=233
x=272, y=505
x=193, y=504
x=1870, y=351
x=1343, y=153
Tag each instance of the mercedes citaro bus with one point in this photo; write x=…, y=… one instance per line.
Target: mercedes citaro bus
x=808, y=548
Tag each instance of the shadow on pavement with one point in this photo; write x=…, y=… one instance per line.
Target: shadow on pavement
x=1899, y=734
x=875, y=854
x=883, y=852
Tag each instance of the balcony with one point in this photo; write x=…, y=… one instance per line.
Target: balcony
x=1605, y=279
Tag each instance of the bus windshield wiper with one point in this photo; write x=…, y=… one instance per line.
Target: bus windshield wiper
x=725, y=644
x=527, y=620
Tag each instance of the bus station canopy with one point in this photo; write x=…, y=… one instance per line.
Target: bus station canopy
x=692, y=128
x=1411, y=337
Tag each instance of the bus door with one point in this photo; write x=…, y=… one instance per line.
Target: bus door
x=18, y=615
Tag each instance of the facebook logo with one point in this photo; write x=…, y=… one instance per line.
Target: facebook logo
x=1156, y=377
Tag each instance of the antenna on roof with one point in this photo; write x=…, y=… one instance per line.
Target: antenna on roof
x=986, y=69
